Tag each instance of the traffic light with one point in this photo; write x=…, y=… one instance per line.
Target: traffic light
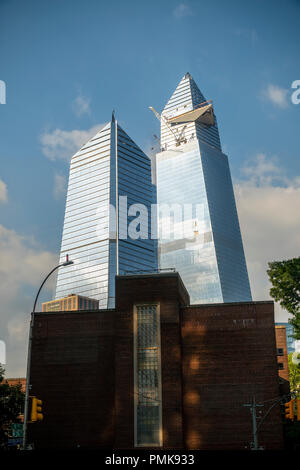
x=36, y=410
x=298, y=409
x=289, y=409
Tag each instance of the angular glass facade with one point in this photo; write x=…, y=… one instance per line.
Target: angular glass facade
x=193, y=174
x=109, y=172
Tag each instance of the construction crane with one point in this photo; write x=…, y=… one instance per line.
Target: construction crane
x=178, y=138
x=181, y=137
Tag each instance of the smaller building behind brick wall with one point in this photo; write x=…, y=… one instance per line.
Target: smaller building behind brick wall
x=282, y=359
x=16, y=381
x=214, y=359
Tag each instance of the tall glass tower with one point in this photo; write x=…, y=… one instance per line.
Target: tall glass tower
x=193, y=176
x=108, y=175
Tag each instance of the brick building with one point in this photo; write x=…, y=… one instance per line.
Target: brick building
x=71, y=302
x=282, y=358
x=17, y=381
x=282, y=353
x=155, y=371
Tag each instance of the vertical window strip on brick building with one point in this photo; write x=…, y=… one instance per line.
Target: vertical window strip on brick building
x=148, y=406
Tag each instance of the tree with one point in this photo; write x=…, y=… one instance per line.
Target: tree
x=285, y=279
x=11, y=406
x=294, y=374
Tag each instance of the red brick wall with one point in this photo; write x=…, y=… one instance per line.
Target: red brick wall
x=169, y=292
x=280, y=331
x=229, y=355
x=72, y=372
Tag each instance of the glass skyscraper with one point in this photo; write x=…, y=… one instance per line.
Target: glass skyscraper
x=193, y=177
x=108, y=175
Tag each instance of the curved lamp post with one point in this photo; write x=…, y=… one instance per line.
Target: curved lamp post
x=66, y=263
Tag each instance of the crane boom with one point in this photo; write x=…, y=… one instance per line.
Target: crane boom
x=161, y=118
x=155, y=112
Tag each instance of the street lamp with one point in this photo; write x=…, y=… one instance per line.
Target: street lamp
x=65, y=263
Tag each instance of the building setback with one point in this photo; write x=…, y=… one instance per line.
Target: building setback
x=155, y=372
x=109, y=166
x=192, y=170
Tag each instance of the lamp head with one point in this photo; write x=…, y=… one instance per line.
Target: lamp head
x=67, y=262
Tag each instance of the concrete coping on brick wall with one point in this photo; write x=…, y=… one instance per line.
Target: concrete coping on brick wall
x=100, y=310
x=257, y=302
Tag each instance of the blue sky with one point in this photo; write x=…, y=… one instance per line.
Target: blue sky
x=68, y=63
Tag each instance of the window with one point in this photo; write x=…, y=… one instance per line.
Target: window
x=279, y=351
x=280, y=366
x=147, y=380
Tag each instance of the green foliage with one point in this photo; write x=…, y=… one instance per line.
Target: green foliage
x=285, y=279
x=295, y=322
x=11, y=406
x=1, y=373
x=294, y=374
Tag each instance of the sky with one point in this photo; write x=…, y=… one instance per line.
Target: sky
x=68, y=63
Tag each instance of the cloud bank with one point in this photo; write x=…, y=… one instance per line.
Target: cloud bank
x=268, y=207
x=22, y=267
x=61, y=145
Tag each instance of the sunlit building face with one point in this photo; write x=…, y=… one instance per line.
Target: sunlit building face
x=192, y=171
x=108, y=169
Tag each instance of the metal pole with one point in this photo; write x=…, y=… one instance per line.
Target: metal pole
x=27, y=382
x=254, y=427
x=253, y=407
x=28, y=386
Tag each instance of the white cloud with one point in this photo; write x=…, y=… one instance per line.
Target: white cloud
x=60, y=144
x=182, y=10
x=59, y=187
x=21, y=260
x=23, y=264
x=268, y=207
x=276, y=95
x=264, y=171
x=81, y=105
x=3, y=191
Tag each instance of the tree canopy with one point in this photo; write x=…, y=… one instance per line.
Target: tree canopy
x=294, y=374
x=285, y=280
x=11, y=406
